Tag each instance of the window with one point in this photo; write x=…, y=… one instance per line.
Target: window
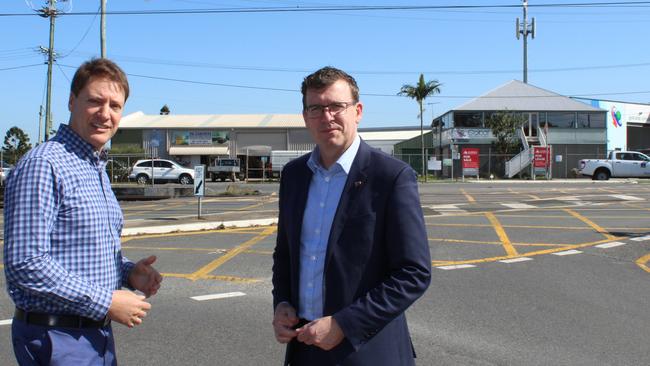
x=162, y=164
x=591, y=120
x=467, y=119
x=561, y=119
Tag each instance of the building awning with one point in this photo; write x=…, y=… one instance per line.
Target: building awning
x=198, y=150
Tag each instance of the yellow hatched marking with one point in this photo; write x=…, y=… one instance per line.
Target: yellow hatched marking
x=643, y=262
x=205, y=270
x=530, y=254
x=507, y=245
x=211, y=277
x=468, y=196
x=223, y=250
x=591, y=223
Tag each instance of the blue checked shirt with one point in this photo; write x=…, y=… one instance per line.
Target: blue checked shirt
x=62, y=251
x=323, y=199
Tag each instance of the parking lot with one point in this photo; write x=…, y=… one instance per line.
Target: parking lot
x=523, y=274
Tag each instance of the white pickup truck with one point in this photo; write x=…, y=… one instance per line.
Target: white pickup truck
x=619, y=164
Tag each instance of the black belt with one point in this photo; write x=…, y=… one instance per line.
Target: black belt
x=64, y=321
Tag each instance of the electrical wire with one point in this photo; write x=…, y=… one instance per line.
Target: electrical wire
x=629, y=4
x=368, y=94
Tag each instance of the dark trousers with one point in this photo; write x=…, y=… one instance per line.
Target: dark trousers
x=57, y=346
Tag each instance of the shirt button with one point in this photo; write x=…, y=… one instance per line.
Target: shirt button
x=322, y=204
x=317, y=231
x=327, y=179
x=313, y=257
x=310, y=284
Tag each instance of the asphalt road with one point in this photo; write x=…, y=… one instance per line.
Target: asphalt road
x=523, y=274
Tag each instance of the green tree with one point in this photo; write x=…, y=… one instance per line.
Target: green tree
x=164, y=110
x=421, y=91
x=504, y=125
x=16, y=145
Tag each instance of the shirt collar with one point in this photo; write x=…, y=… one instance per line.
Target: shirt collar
x=84, y=149
x=344, y=161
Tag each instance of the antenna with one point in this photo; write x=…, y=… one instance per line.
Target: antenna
x=525, y=29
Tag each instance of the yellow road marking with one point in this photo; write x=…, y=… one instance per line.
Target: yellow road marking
x=501, y=233
x=531, y=227
x=266, y=252
x=468, y=196
x=529, y=254
x=245, y=230
x=205, y=270
x=211, y=277
x=591, y=223
x=643, y=262
x=461, y=241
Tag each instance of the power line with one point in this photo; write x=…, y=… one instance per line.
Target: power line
x=364, y=94
x=151, y=61
x=299, y=9
x=20, y=67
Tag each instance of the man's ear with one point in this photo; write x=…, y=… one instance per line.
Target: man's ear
x=70, y=101
x=359, y=110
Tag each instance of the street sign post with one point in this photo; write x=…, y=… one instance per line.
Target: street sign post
x=199, y=184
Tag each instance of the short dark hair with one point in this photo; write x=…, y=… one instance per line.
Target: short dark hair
x=325, y=77
x=99, y=68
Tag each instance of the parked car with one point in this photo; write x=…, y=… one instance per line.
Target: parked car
x=163, y=170
x=5, y=169
x=619, y=164
x=223, y=168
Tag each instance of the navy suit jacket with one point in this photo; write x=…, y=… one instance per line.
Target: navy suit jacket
x=377, y=261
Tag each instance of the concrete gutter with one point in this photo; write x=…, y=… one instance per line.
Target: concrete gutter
x=196, y=226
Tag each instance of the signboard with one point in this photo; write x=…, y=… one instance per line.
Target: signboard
x=199, y=180
x=434, y=164
x=541, y=156
x=447, y=162
x=470, y=160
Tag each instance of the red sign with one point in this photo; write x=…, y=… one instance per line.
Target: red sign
x=470, y=157
x=541, y=156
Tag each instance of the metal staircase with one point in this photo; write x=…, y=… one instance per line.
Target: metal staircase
x=525, y=157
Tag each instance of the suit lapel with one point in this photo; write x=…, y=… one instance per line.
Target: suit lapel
x=354, y=184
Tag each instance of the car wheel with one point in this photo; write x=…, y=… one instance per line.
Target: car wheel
x=142, y=179
x=185, y=179
x=601, y=175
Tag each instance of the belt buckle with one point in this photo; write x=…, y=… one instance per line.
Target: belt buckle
x=106, y=321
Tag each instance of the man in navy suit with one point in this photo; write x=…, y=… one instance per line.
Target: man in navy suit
x=352, y=252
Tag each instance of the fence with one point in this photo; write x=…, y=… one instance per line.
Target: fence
x=564, y=162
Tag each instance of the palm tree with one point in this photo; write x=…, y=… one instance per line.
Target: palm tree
x=420, y=92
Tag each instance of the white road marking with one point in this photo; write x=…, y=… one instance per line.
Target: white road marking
x=459, y=266
x=448, y=209
x=517, y=205
x=217, y=296
x=610, y=245
x=568, y=252
x=515, y=260
x=641, y=238
x=6, y=322
x=627, y=198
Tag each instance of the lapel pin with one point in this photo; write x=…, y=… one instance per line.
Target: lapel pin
x=358, y=184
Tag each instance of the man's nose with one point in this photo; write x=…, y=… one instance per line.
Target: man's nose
x=104, y=111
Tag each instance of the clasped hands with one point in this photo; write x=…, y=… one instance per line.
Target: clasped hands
x=324, y=332
x=129, y=308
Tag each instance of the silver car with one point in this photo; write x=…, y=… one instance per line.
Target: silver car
x=5, y=169
x=163, y=170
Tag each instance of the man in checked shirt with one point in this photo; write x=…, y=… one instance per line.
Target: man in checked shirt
x=62, y=255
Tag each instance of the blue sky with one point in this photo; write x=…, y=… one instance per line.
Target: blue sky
x=597, y=51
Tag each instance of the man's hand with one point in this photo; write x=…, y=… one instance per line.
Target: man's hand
x=128, y=308
x=144, y=277
x=283, y=321
x=324, y=333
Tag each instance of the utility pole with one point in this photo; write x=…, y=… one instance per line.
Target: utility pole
x=102, y=33
x=49, y=12
x=525, y=29
x=40, y=124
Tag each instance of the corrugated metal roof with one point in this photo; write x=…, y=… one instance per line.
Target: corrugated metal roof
x=518, y=96
x=211, y=121
x=389, y=135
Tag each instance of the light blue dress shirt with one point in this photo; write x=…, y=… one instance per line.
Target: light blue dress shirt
x=325, y=192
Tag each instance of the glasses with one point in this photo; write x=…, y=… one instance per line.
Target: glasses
x=317, y=110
